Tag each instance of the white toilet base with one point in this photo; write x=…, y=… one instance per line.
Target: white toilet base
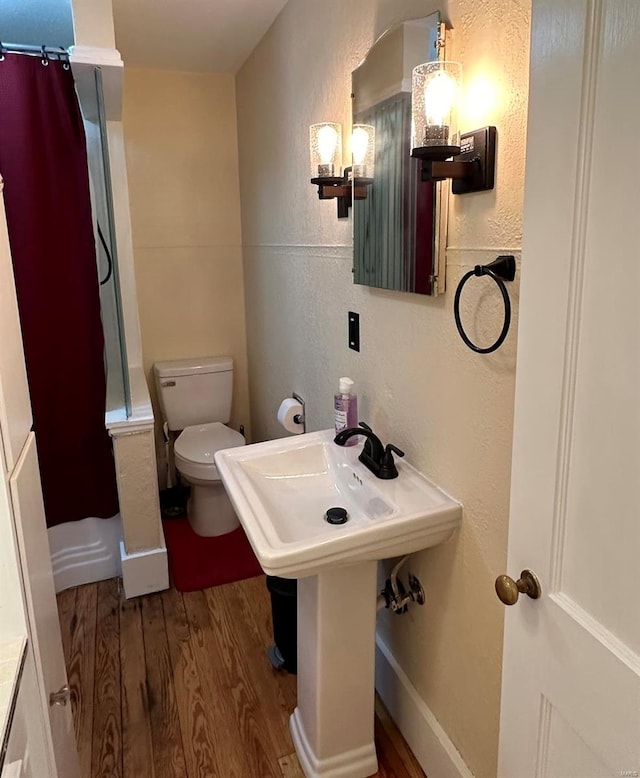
x=209, y=510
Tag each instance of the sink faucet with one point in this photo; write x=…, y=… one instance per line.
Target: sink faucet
x=374, y=456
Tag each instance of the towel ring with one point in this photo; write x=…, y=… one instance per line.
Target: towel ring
x=504, y=267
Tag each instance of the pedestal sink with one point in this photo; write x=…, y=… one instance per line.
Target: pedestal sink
x=281, y=491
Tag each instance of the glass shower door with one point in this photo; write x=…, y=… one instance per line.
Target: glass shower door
x=118, y=402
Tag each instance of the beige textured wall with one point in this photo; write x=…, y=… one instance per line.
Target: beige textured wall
x=137, y=492
x=182, y=160
x=93, y=23
x=419, y=386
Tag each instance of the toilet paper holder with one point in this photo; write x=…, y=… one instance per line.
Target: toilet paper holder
x=300, y=418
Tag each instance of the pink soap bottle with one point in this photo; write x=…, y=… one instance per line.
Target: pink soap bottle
x=346, y=409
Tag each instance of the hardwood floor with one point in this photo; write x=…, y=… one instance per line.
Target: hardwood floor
x=175, y=685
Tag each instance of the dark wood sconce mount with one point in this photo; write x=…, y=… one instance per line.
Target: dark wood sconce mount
x=472, y=169
x=343, y=189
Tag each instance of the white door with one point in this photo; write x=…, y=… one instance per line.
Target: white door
x=27, y=741
x=571, y=673
x=44, y=627
x=15, y=407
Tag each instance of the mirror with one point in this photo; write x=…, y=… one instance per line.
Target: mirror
x=397, y=218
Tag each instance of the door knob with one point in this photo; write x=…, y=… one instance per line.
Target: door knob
x=509, y=590
x=61, y=697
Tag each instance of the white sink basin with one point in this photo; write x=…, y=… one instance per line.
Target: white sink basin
x=282, y=489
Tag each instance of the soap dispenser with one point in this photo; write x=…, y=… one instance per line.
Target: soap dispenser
x=346, y=409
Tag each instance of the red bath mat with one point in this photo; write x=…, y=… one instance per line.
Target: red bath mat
x=198, y=563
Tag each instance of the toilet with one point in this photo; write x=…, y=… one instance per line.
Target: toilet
x=195, y=397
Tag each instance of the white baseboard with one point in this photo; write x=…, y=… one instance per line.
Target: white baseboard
x=84, y=551
x=144, y=572
x=430, y=744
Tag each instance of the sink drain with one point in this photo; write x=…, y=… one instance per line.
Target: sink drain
x=336, y=516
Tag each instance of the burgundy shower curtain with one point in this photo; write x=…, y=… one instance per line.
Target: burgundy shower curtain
x=43, y=161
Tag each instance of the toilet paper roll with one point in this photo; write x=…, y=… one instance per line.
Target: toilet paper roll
x=287, y=412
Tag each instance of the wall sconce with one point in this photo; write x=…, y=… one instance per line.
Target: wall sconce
x=325, y=145
x=363, y=146
x=435, y=93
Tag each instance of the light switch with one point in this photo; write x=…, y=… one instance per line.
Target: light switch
x=354, y=331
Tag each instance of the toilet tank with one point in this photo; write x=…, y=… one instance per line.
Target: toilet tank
x=195, y=391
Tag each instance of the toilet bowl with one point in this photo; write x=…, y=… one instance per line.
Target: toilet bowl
x=195, y=396
x=209, y=511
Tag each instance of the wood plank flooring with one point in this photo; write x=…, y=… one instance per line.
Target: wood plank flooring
x=175, y=685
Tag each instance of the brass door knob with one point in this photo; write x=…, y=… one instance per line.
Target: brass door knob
x=509, y=590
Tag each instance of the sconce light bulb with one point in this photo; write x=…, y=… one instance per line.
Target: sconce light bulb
x=359, y=145
x=327, y=140
x=439, y=98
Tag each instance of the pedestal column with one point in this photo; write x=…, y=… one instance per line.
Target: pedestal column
x=332, y=726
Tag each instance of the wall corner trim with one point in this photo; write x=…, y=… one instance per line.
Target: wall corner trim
x=96, y=56
x=84, y=61
x=427, y=739
x=144, y=572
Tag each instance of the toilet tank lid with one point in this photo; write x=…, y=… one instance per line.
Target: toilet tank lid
x=193, y=366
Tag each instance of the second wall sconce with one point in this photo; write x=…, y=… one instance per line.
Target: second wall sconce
x=363, y=147
x=325, y=146
x=467, y=159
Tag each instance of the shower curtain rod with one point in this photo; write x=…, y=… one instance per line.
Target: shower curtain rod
x=43, y=51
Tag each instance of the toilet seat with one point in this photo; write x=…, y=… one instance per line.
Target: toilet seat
x=195, y=446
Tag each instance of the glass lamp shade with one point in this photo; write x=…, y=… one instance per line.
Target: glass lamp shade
x=363, y=147
x=435, y=92
x=325, y=145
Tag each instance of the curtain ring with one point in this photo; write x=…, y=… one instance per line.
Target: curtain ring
x=1, y=52
x=45, y=57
